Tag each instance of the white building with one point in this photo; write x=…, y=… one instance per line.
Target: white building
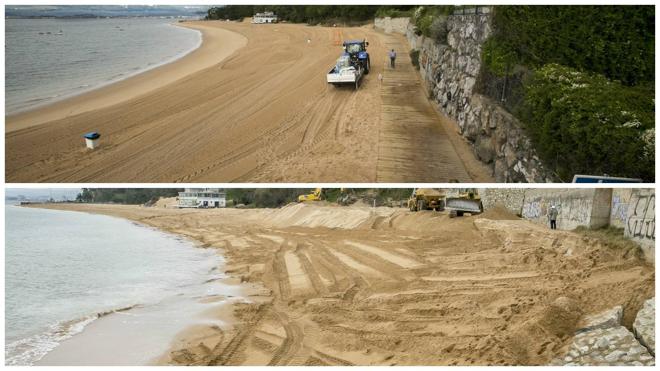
x=202, y=198
x=265, y=17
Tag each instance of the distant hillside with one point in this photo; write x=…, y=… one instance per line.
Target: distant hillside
x=311, y=14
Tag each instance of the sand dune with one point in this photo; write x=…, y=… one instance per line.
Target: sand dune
x=226, y=112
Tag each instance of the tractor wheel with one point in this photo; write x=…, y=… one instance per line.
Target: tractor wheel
x=420, y=205
x=367, y=66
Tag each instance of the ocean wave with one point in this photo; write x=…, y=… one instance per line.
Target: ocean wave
x=26, y=352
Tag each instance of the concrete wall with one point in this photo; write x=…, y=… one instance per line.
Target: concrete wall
x=392, y=25
x=619, y=208
x=600, y=211
x=640, y=220
x=574, y=205
x=633, y=210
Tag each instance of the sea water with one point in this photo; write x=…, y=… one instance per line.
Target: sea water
x=50, y=59
x=66, y=272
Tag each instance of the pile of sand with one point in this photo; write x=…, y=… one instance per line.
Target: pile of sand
x=167, y=202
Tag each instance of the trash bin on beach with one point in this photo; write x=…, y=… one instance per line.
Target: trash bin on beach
x=92, y=139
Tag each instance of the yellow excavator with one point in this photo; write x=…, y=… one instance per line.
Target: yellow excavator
x=467, y=200
x=317, y=195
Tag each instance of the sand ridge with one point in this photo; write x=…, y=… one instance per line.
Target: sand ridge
x=482, y=292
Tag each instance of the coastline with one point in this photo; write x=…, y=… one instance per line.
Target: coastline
x=210, y=315
x=216, y=44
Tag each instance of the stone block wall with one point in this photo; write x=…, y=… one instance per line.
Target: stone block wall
x=450, y=69
x=511, y=199
x=392, y=25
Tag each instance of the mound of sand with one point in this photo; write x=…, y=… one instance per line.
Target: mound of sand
x=166, y=202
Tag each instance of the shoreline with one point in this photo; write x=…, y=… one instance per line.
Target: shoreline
x=213, y=313
x=215, y=45
x=103, y=84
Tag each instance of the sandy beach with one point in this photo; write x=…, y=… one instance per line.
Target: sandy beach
x=362, y=286
x=251, y=104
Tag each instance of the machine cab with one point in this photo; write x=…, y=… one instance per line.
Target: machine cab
x=356, y=48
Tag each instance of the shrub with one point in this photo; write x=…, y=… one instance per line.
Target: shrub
x=393, y=12
x=414, y=57
x=424, y=17
x=616, y=41
x=584, y=123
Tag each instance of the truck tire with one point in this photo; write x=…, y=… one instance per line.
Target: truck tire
x=367, y=66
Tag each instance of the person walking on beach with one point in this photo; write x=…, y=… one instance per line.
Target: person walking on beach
x=392, y=58
x=552, y=216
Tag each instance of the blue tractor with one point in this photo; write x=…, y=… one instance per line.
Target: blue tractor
x=351, y=65
x=357, y=51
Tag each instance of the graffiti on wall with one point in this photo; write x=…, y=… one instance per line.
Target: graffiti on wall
x=532, y=210
x=641, y=217
x=619, y=208
x=574, y=210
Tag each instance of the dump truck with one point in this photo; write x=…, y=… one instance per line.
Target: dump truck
x=466, y=201
x=427, y=199
x=352, y=65
x=317, y=195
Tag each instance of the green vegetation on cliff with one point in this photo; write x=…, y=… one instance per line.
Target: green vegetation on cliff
x=615, y=41
x=581, y=79
x=583, y=123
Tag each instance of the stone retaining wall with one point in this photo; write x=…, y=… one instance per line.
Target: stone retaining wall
x=450, y=69
x=392, y=25
x=510, y=199
x=603, y=341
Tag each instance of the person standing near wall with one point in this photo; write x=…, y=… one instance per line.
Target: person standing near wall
x=392, y=58
x=552, y=216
